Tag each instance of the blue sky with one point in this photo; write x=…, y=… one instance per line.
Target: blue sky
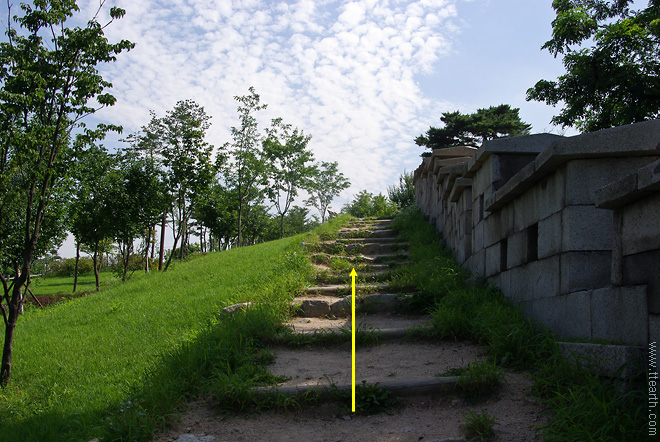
x=363, y=77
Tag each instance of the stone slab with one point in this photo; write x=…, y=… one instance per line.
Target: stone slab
x=550, y=236
x=620, y=314
x=585, y=270
x=459, y=186
x=641, y=225
x=528, y=144
x=498, y=225
x=609, y=360
x=586, y=228
x=535, y=280
x=569, y=316
x=644, y=268
x=639, y=139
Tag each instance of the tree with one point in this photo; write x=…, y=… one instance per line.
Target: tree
x=135, y=202
x=218, y=212
x=178, y=141
x=403, y=194
x=288, y=170
x=89, y=211
x=246, y=169
x=327, y=183
x=48, y=76
x=469, y=129
x=365, y=205
x=612, y=60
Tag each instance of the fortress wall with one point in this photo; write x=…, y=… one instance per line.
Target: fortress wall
x=569, y=227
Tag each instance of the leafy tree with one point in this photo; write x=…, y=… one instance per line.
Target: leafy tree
x=470, y=129
x=612, y=59
x=327, y=184
x=218, y=212
x=246, y=169
x=177, y=140
x=135, y=201
x=48, y=77
x=296, y=221
x=288, y=170
x=365, y=205
x=89, y=210
x=403, y=194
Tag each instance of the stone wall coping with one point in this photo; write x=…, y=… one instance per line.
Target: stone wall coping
x=639, y=139
x=516, y=186
x=448, y=175
x=522, y=145
x=641, y=183
x=459, y=186
x=454, y=152
x=440, y=162
x=623, y=141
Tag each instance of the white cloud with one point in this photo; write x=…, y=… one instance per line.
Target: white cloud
x=344, y=72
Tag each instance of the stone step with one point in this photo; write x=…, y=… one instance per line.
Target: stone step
x=335, y=306
x=364, y=248
x=346, y=289
x=404, y=367
x=434, y=385
x=397, y=324
x=360, y=233
x=368, y=240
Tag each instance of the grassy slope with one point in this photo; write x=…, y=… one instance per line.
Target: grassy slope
x=79, y=361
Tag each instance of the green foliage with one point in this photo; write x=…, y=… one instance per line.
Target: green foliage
x=371, y=399
x=478, y=380
x=366, y=205
x=328, y=184
x=288, y=171
x=478, y=427
x=469, y=129
x=612, y=75
x=66, y=267
x=246, y=169
x=49, y=82
x=403, y=194
x=176, y=142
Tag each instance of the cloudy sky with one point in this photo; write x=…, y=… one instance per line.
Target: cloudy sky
x=364, y=77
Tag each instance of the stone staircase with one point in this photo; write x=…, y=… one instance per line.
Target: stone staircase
x=397, y=363
x=431, y=407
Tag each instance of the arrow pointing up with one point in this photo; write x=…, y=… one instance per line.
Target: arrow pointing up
x=353, y=275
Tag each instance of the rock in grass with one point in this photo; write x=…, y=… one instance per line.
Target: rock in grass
x=228, y=311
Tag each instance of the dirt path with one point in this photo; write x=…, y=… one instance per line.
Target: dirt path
x=432, y=415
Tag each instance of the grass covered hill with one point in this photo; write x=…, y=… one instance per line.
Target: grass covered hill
x=81, y=362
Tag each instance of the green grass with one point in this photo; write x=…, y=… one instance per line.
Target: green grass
x=56, y=285
x=478, y=427
x=583, y=407
x=78, y=362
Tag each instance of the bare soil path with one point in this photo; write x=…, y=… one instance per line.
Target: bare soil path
x=428, y=411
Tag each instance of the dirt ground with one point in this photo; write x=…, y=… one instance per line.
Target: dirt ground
x=428, y=418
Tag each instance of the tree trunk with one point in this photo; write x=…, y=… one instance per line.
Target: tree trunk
x=8, y=350
x=282, y=226
x=162, y=242
x=176, y=240
x=95, y=260
x=240, y=226
x=75, y=270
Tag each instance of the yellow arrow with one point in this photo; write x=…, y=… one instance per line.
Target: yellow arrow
x=353, y=275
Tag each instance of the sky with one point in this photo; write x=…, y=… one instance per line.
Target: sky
x=363, y=78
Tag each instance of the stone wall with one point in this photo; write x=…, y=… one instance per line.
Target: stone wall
x=569, y=227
